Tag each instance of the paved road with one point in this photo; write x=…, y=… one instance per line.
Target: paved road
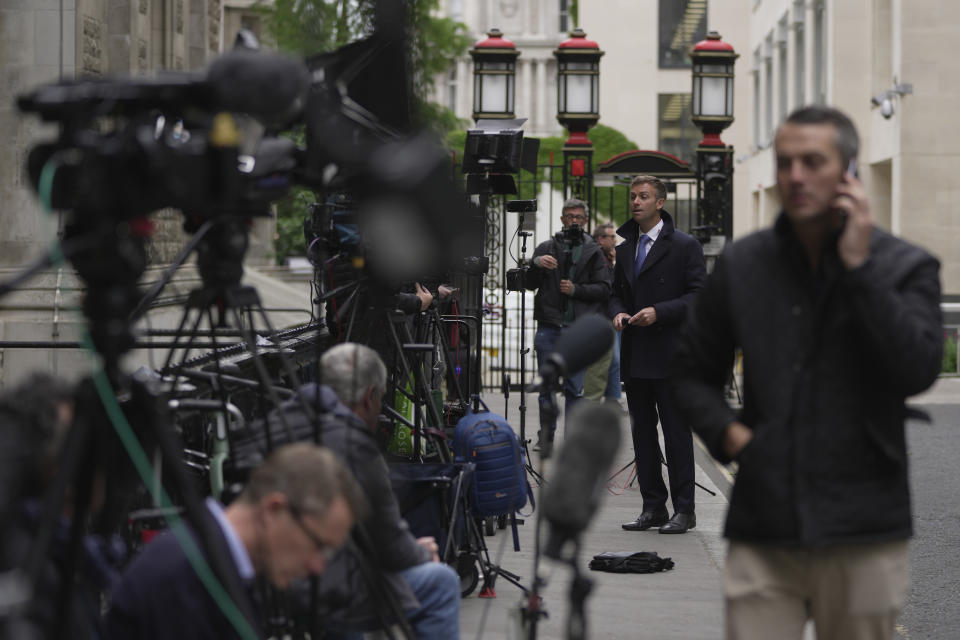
x=933, y=607
x=642, y=606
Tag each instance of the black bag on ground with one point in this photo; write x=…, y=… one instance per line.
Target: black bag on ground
x=629, y=562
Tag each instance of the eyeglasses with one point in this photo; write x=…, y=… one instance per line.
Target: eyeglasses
x=322, y=548
x=575, y=216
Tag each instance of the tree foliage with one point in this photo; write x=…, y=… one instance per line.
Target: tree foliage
x=308, y=27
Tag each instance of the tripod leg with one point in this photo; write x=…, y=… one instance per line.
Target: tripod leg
x=251, y=341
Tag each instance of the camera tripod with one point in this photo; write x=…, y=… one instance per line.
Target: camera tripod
x=404, y=356
x=220, y=255
x=110, y=265
x=524, y=350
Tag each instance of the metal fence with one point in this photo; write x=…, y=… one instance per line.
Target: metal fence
x=501, y=346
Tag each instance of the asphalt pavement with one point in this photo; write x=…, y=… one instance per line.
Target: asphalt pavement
x=683, y=603
x=932, y=611
x=686, y=602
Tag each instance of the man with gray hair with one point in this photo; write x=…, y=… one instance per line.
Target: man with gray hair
x=348, y=402
x=296, y=510
x=571, y=278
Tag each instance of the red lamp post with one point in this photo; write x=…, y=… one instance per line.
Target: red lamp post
x=712, y=112
x=578, y=108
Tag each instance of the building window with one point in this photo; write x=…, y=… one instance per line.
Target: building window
x=455, y=9
x=800, y=54
x=819, y=55
x=782, y=73
x=676, y=133
x=768, y=88
x=758, y=139
x=564, y=16
x=683, y=23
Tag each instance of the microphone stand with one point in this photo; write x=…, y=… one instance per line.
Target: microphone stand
x=580, y=588
x=532, y=609
x=524, y=350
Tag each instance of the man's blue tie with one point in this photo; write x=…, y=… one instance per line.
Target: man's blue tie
x=641, y=252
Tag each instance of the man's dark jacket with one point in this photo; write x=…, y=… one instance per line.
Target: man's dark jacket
x=828, y=360
x=160, y=597
x=591, y=282
x=344, y=593
x=672, y=274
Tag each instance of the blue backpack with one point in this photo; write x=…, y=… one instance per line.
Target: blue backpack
x=500, y=484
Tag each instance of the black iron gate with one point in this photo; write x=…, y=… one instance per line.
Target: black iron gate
x=501, y=322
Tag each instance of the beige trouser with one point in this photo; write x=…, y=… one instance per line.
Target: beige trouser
x=595, y=379
x=851, y=593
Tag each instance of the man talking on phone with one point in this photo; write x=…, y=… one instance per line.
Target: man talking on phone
x=838, y=323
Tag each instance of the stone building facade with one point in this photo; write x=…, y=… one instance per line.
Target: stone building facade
x=43, y=41
x=844, y=53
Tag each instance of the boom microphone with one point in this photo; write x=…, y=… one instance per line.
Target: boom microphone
x=580, y=345
x=573, y=493
x=268, y=86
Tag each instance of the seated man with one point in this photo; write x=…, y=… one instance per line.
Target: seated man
x=349, y=403
x=295, y=511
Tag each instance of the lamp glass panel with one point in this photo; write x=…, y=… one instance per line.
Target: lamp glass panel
x=578, y=94
x=596, y=95
x=729, y=98
x=713, y=98
x=510, y=93
x=495, y=66
x=476, y=92
x=696, y=95
x=562, y=93
x=494, y=94
x=579, y=66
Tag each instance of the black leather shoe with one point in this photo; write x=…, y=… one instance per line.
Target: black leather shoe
x=646, y=520
x=680, y=523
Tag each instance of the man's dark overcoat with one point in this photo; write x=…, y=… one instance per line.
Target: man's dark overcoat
x=671, y=275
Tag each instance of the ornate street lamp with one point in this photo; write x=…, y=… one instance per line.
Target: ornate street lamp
x=578, y=108
x=494, y=71
x=712, y=112
x=712, y=104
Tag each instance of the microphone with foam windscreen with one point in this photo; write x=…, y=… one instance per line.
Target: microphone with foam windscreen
x=268, y=86
x=573, y=492
x=580, y=345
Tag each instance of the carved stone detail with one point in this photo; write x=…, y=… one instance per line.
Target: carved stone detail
x=144, y=6
x=142, y=49
x=178, y=16
x=213, y=25
x=92, y=48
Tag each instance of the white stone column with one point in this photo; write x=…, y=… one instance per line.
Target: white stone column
x=464, y=106
x=541, y=100
x=525, y=89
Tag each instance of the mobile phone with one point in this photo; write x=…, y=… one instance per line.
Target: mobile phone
x=852, y=168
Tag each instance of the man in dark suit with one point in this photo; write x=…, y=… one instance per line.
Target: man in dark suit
x=658, y=272
x=294, y=513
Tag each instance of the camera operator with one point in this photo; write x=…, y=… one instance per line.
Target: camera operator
x=354, y=381
x=572, y=279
